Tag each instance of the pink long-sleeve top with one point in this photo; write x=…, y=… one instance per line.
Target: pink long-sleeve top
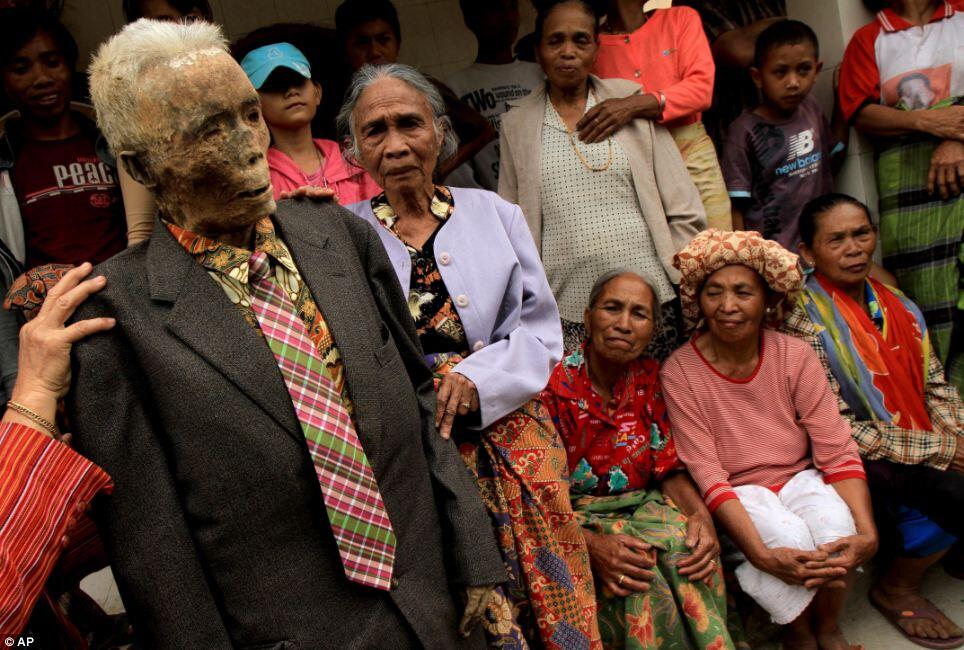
x=761, y=430
x=669, y=54
x=350, y=182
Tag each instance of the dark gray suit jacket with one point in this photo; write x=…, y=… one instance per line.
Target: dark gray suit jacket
x=216, y=529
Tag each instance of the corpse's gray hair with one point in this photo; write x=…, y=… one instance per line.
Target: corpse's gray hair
x=369, y=74
x=600, y=284
x=118, y=67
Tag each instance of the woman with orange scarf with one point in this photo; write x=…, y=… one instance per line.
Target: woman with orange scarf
x=908, y=421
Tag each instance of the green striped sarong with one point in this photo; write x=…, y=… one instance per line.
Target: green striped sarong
x=922, y=242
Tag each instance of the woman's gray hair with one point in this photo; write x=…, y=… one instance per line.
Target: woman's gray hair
x=600, y=284
x=369, y=74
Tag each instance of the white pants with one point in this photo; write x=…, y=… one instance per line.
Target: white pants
x=804, y=514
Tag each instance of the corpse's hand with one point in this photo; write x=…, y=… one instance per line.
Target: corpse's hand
x=317, y=194
x=946, y=173
x=620, y=563
x=457, y=395
x=476, y=599
x=704, y=548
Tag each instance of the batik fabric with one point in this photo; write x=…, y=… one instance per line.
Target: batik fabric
x=519, y=466
x=615, y=452
x=227, y=265
x=675, y=614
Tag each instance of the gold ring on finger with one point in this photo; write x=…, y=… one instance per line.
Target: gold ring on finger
x=466, y=404
x=621, y=578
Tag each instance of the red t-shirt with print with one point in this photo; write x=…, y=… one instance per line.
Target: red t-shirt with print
x=70, y=202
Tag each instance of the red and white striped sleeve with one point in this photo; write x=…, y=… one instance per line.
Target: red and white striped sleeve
x=45, y=487
x=694, y=439
x=832, y=445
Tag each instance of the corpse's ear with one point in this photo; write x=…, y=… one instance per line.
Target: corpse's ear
x=134, y=166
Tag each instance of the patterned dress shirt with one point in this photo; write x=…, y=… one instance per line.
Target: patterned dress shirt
x=228, y=267
x=878, y=440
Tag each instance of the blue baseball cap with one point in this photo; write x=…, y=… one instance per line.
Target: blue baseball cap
x=260, y=63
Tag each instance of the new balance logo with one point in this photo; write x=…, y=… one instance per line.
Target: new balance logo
x=800, y=144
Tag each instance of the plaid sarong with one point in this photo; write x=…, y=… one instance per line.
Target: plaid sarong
x=356, y=510
x=921, y=236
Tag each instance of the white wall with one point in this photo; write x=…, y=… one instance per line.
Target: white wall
x=434, y=38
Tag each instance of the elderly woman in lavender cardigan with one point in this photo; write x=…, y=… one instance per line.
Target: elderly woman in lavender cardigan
x=490, y=330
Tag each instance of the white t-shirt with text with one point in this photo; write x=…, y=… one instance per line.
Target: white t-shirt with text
x=488, y=89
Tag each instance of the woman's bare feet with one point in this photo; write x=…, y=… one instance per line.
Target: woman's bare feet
x=831, y=638
x=798, y=635
x=905, y=599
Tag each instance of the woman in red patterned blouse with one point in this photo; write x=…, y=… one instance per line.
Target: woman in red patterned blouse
x=650, y=536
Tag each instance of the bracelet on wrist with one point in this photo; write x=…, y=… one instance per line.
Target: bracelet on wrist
x=46, y=424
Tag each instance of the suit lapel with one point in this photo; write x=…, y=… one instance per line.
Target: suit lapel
x=204, y=319
x=340, y=299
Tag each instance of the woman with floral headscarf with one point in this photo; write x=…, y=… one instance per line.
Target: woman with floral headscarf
x=759, y=430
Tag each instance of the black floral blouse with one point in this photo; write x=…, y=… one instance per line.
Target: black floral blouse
x=439, y=327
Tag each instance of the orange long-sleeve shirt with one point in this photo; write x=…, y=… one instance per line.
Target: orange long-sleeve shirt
x=669, y=54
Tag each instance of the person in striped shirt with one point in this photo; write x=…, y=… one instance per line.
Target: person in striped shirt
x=45, y=486
x=758, y=429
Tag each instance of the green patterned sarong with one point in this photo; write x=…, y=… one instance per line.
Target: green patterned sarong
x=923, y=244
x=675, y=613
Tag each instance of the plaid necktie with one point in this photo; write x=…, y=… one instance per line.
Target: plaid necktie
x=355, y=507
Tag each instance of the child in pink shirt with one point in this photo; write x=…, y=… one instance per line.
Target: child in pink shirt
x=666, y=52
x=289, y=99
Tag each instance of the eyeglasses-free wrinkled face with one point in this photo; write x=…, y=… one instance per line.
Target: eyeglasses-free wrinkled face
x=397, y=136
x=733, y=302
x=621, y=322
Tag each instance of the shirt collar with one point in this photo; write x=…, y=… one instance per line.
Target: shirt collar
x=891, y=22
x=443, y=205
x=232, y=260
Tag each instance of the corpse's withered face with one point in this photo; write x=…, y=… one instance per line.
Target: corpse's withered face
x=207, y=168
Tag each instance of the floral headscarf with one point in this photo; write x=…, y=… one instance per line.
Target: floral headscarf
x=713, y=249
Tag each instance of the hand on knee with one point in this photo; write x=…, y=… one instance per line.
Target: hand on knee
x=621, y=563
x=798, y=567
